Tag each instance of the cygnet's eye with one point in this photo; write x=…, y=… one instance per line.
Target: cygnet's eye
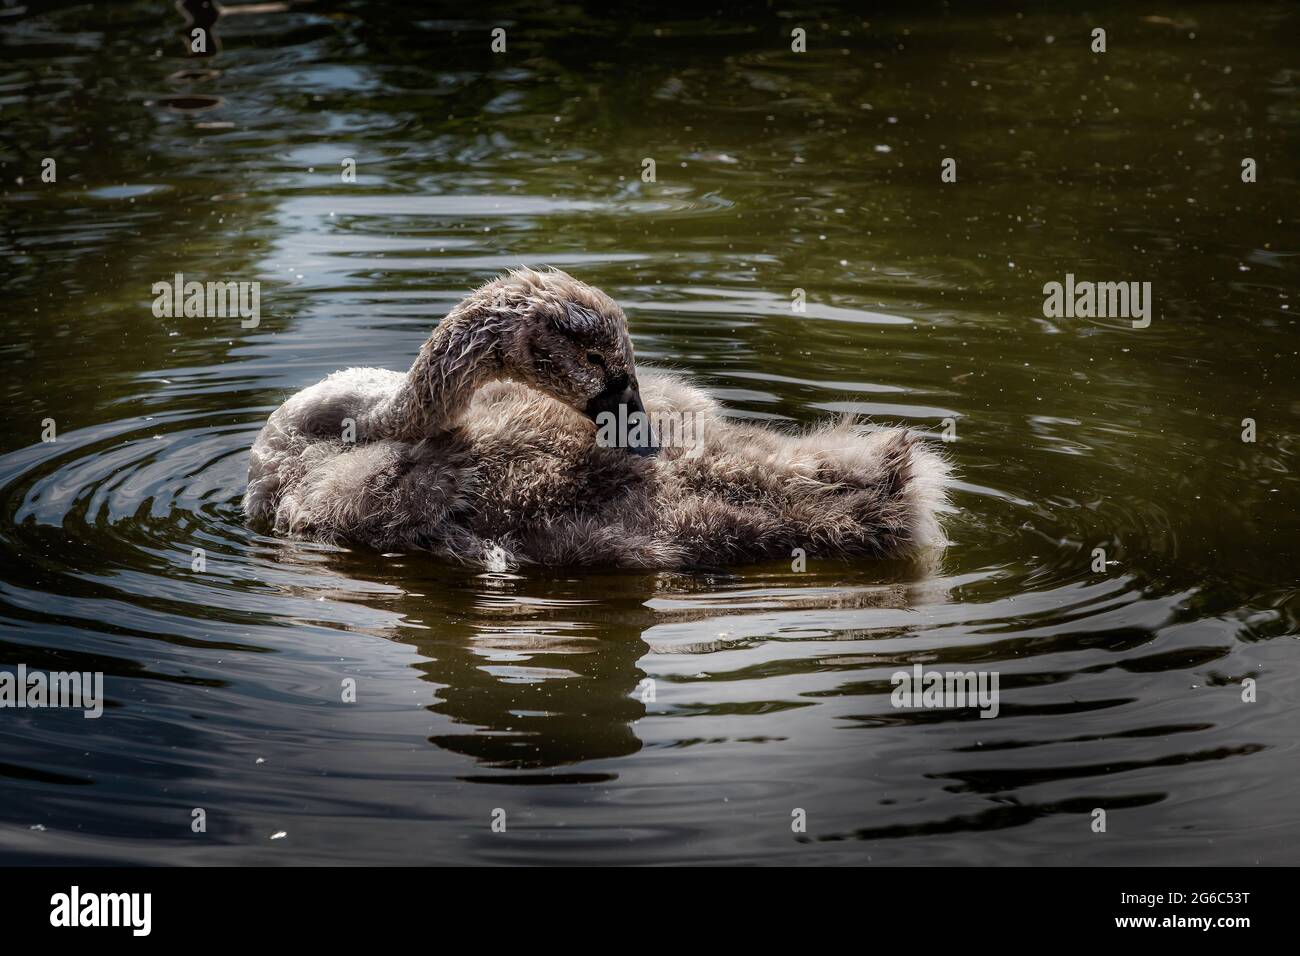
x=595, y=358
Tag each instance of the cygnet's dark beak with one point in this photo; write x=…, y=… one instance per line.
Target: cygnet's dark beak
x=621, y=419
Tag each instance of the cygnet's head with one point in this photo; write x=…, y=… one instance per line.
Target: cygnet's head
x=570, y=341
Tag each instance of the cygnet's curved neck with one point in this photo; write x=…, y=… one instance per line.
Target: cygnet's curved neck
x=463, y=353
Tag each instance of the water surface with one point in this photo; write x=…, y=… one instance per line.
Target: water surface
x=775, y=171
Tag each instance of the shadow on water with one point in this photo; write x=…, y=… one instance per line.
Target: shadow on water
x=536, y=673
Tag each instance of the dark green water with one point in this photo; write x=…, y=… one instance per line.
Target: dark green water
x=1120, y=690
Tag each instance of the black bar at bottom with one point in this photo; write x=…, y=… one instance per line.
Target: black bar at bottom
x=330, y=906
